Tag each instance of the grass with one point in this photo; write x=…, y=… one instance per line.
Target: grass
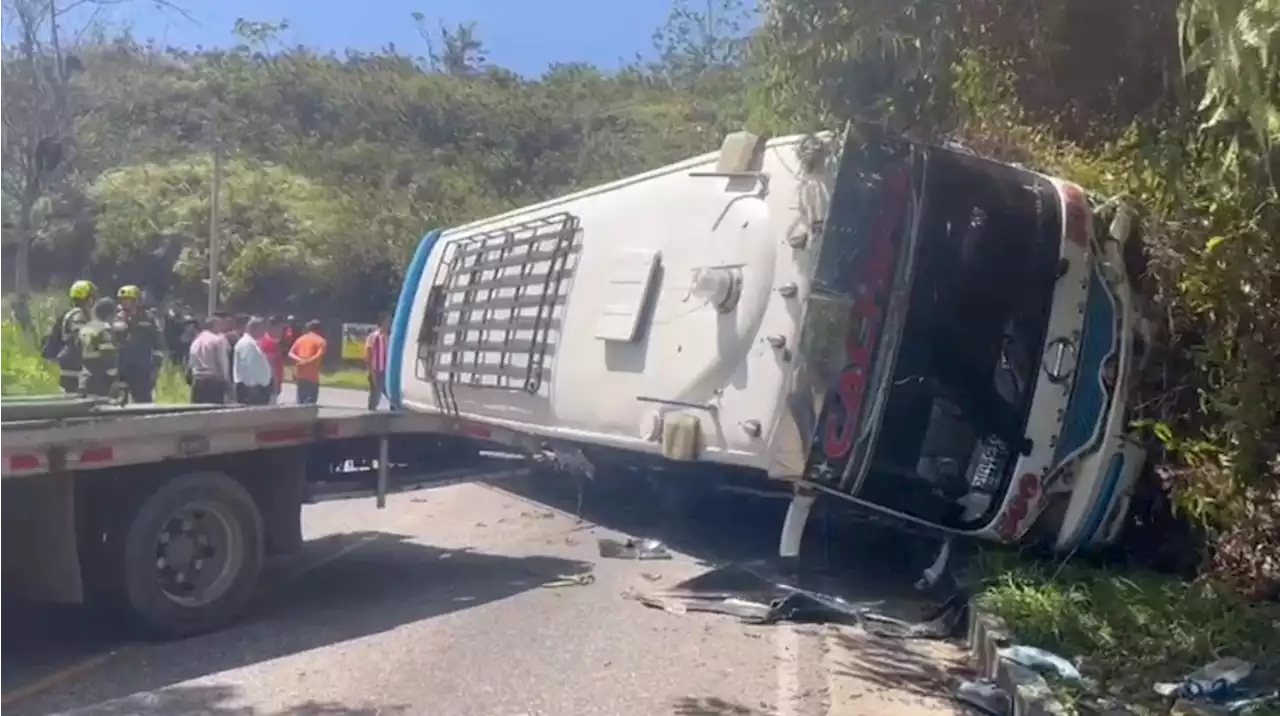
x=345, y=378
x=349, y=378
x=1129, y=631
x=24, y=372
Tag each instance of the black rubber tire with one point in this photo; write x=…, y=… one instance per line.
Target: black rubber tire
x=162, y=616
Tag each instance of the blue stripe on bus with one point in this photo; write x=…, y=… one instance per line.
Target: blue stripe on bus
x=404, y=308
x=1088, y=402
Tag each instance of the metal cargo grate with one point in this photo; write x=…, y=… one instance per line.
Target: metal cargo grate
x=491, y=319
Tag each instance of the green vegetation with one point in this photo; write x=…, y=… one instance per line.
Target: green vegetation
x=336, y=164
x=24, y=372
x=348, y=378
x=1132, y=631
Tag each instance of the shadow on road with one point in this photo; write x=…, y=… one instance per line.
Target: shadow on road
x=842, y=552
x=914, y=667
x=383, y=583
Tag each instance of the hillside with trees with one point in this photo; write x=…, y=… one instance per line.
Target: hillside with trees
x=337, y=163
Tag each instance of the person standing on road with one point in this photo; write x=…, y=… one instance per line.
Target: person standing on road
x=141, y=347
x=375, y=362
x=289, y=334
x=270, y=345
x=208, y=364
x=307, y=355
x=63, y=344
x=251, y=368
x=100, y=353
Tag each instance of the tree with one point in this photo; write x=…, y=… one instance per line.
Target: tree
x=281, y=229
x=693, y=43
x=461, y=52
x=37, y=118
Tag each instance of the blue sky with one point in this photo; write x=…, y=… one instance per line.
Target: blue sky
x=523, y=35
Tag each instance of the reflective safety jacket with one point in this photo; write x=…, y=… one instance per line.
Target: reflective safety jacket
x=100, y=374
x=69, y=357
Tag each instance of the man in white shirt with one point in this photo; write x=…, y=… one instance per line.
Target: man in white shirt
x=252, y=370
x=208, y=371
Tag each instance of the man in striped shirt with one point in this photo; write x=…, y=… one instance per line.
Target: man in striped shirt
x=375, y=362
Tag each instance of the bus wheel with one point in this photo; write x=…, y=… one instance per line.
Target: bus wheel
x=193, y=554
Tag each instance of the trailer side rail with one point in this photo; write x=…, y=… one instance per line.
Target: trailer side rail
x=33, y=448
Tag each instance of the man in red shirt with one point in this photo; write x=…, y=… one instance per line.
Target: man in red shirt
x=270, y=345
x=375, y=362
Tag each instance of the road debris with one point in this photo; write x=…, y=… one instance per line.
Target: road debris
x=754, y=599
x=984, y=696
x=1220, y=688
x=633, y=549
x=1213, y=681
x=1045, y=663
x=571, y=580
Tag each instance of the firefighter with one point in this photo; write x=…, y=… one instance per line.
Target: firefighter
x=67, y=334
x=100, y=354
x=141, y=346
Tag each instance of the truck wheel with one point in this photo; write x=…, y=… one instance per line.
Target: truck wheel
x=193, y=554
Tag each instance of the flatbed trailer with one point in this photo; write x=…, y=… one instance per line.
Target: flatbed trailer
x=171, y=511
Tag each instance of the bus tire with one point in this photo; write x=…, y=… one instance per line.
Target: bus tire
x=193, y=554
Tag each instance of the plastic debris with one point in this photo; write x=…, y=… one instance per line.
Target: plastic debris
x=985, y=696
x=1045, y=663
x=633, y=549
x=1243, y=706
x=1216, y=681
x=943, y=622
x=754, y=599
x=571, y=580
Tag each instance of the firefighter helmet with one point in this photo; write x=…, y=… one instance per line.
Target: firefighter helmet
x=83, y=290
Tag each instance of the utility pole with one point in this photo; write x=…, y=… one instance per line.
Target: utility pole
x=215, y=228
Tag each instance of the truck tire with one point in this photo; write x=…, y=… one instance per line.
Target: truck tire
x=192, y=555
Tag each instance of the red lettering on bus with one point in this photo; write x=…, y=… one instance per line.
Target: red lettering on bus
x=1078, y=215
x=1027, y=490
x=866, y=317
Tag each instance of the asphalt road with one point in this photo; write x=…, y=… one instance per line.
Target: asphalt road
x=462, y=601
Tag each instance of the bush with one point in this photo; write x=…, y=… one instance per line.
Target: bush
x=1129, y=631
x=25, y=372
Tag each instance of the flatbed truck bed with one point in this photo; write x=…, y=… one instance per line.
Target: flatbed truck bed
x=170, y=511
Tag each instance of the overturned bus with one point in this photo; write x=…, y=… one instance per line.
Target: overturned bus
x=938, y=338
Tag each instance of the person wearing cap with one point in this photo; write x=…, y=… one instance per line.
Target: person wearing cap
x=141, y=346
x=100, y=353
x=68, y=354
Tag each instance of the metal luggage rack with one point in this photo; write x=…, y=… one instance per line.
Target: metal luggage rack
x=491, y=308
